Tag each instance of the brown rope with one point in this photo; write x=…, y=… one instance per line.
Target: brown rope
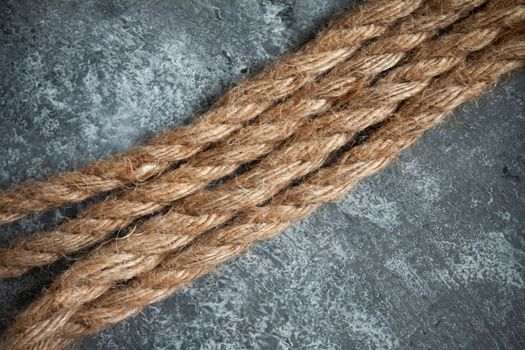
x=238, y=106
x=421, y=113
x=128, y=257
x=248, y=144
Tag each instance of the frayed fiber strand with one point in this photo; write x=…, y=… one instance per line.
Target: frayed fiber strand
x=237, y=107
x=389, y=92
x=273, y=127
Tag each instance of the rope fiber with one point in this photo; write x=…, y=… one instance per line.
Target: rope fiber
x=345, y=122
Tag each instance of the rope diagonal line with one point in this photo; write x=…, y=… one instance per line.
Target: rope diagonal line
x=240, y=105
x=194, y=215
x=423, y=112
x=249, y=143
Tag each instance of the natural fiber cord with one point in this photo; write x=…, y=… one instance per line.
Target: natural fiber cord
x=251, y=142
x=463, y=84
x=304, y=141
x=237, y=107
x=172, y=249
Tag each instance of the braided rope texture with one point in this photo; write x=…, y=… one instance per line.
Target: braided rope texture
x=274, y=126
x=442, y=74
x=240, y=105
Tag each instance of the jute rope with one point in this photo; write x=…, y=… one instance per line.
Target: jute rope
x=304, y=153
x=238, y=106
x=274, y=126
x=420, y=113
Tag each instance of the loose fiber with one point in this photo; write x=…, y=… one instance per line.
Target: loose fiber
x=421, y=113
x=238, y=106
x=64, y=312
x=274, y=126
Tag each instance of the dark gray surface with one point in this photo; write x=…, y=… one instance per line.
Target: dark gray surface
x=430, y=254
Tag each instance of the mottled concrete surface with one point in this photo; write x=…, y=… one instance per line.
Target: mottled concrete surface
x=430, y=254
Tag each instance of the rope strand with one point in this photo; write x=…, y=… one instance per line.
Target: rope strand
x=248, y=144
x=128, y=257
x=240, y=105
x=423, y=111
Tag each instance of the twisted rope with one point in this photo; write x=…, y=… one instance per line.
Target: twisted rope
x=239, y=105
x=248, y=144
x=423, y=111
x=122, y=260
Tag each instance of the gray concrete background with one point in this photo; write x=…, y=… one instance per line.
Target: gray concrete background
x=429, y=254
